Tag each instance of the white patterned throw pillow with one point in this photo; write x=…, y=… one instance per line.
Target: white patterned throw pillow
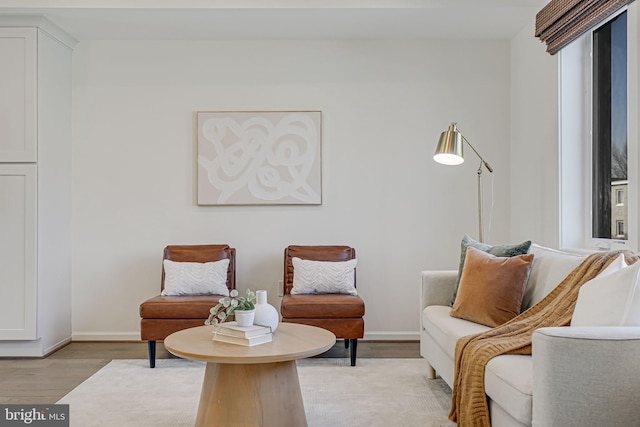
x=195, y=278
x=323, y=277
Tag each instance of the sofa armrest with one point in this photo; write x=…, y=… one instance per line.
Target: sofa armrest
x=586, y=376
x=437, y=287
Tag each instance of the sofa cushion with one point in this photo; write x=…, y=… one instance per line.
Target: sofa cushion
x=508, y=378
x=610, y=299
x=446, y=330
x=491, y=288
x=549, y=268
x=507, y=250
x=508, y=381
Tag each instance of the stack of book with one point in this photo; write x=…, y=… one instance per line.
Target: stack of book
x=231, y=333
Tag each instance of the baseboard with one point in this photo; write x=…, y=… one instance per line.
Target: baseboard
x=52, y=349
x=31, y=348
x=105, y=336
x=21, y=348
x=135, y=336
x=392, y=336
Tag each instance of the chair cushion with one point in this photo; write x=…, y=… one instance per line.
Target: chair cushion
x=178, y=307
x=159, y=329
x=322, y=306
x=341, y=328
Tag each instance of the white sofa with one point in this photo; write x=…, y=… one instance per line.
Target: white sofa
x=580, y=376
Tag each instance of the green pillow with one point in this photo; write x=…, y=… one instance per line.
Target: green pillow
x=498, y=250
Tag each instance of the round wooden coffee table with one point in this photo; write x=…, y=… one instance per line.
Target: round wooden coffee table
x=255, y=385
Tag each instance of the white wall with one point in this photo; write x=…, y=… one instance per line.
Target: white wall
x=534, y=161
x=384, y=105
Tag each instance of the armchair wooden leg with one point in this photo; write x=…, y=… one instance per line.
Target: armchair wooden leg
x=354, y=346
x=152, y=354
x=346, y=343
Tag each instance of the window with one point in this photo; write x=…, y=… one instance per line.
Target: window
x=598, y=168
x=609, y=127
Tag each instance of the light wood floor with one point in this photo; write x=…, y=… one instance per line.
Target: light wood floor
x=45, y=381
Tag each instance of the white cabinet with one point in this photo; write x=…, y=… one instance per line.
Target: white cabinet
x=35, y=189
x=18, y=103
x=18, y=252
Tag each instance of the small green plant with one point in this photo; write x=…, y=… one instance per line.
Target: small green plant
x=228, y=305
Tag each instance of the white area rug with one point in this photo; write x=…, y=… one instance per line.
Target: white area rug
x=376, y=392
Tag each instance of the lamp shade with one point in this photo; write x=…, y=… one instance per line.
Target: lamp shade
x=449, y=149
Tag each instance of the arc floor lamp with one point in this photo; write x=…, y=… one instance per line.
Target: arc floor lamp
x=450, y=151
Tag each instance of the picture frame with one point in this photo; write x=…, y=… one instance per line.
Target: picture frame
x=259, y=158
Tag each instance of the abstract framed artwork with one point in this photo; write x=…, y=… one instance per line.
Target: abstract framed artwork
x=259, y=157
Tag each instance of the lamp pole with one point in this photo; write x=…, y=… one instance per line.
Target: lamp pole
x=480, y=203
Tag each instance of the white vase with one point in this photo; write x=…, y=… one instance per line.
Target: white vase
x=245, y=317
x=266, y=314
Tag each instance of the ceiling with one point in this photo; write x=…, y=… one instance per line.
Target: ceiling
x=281, y=19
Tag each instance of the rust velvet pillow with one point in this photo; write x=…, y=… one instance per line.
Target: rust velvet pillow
x=491, y=288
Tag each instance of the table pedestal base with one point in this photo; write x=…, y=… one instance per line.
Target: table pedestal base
x=263, y=394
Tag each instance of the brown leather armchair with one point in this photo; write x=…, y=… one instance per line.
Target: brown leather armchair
x=163, y=315
x=341, y=314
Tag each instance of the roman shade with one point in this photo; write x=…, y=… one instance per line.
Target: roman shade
x=562, y=21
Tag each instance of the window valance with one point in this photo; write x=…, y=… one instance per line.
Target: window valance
x=562, y=21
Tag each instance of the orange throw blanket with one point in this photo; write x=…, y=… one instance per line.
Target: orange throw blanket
x=469, y=403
